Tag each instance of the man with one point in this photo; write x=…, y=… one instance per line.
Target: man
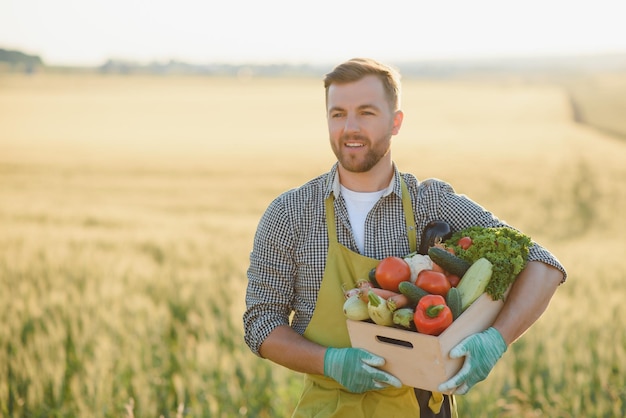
x=318, y=239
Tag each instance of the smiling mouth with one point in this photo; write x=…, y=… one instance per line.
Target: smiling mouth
x=354, y=145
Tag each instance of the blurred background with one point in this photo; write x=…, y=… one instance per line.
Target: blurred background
x=323, y=32
x=140, y=143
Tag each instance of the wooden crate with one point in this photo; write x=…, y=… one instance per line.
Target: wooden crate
x=421, y=360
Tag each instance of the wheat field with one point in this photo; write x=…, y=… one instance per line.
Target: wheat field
x=128, y=205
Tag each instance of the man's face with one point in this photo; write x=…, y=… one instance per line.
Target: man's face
x=361, y=123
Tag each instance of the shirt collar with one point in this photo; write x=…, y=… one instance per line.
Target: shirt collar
x=334, y=186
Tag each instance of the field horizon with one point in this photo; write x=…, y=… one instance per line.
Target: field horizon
x=129, y=205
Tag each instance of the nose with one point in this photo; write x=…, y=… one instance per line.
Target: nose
x=352, y=124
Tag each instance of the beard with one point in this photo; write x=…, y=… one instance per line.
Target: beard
x=360, y=163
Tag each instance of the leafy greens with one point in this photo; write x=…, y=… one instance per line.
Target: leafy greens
x=506, y=248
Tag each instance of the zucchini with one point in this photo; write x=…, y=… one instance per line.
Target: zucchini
x=449, y=262
x=403, y=317
x=411, y=291
x=475, y=281
x=453, y=300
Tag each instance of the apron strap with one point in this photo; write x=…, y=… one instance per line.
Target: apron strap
x=411, y=229
x=330, y=219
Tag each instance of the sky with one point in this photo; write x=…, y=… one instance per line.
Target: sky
x=88, y=32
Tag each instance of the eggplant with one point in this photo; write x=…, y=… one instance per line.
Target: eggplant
x=372, y=277
x=435, y=232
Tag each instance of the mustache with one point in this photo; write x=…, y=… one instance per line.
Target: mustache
x=354, y=137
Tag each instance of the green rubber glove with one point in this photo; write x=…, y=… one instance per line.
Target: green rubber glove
x=356, y=369
x=481, y=352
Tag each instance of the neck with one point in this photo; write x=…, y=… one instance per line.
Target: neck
x=374, y=180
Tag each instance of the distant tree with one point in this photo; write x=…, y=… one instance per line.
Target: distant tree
x=19, y=61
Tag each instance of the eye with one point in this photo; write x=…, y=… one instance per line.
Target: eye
x=368, y=111
x=335, y=115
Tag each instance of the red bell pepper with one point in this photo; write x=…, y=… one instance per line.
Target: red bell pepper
x=432, y=315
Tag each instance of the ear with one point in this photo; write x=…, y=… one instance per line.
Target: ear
x=397, y=122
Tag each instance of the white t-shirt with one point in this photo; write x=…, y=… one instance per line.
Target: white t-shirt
x=359, y=205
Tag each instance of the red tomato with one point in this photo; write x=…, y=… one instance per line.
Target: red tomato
x=391, y=271
x=433, y=282
x=453, y=279
x=465, y=242
x=437, y=267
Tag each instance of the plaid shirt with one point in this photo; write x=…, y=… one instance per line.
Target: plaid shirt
x=290, y=246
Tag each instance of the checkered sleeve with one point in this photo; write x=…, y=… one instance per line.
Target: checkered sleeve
x=462, y=212
x=539, y=253
x=270, y=276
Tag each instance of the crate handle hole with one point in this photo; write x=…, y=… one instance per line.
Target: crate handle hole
x=394, y=341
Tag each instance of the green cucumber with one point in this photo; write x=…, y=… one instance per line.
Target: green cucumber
x=411, y=291
x=453, y=300
x=448, y=261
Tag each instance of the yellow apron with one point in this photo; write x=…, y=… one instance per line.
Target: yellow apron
x=322, y=396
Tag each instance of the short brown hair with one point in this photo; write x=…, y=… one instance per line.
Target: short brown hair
x=357, y=68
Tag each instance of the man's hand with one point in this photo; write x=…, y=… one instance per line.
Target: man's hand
x=481, y=352
x=356, y=369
